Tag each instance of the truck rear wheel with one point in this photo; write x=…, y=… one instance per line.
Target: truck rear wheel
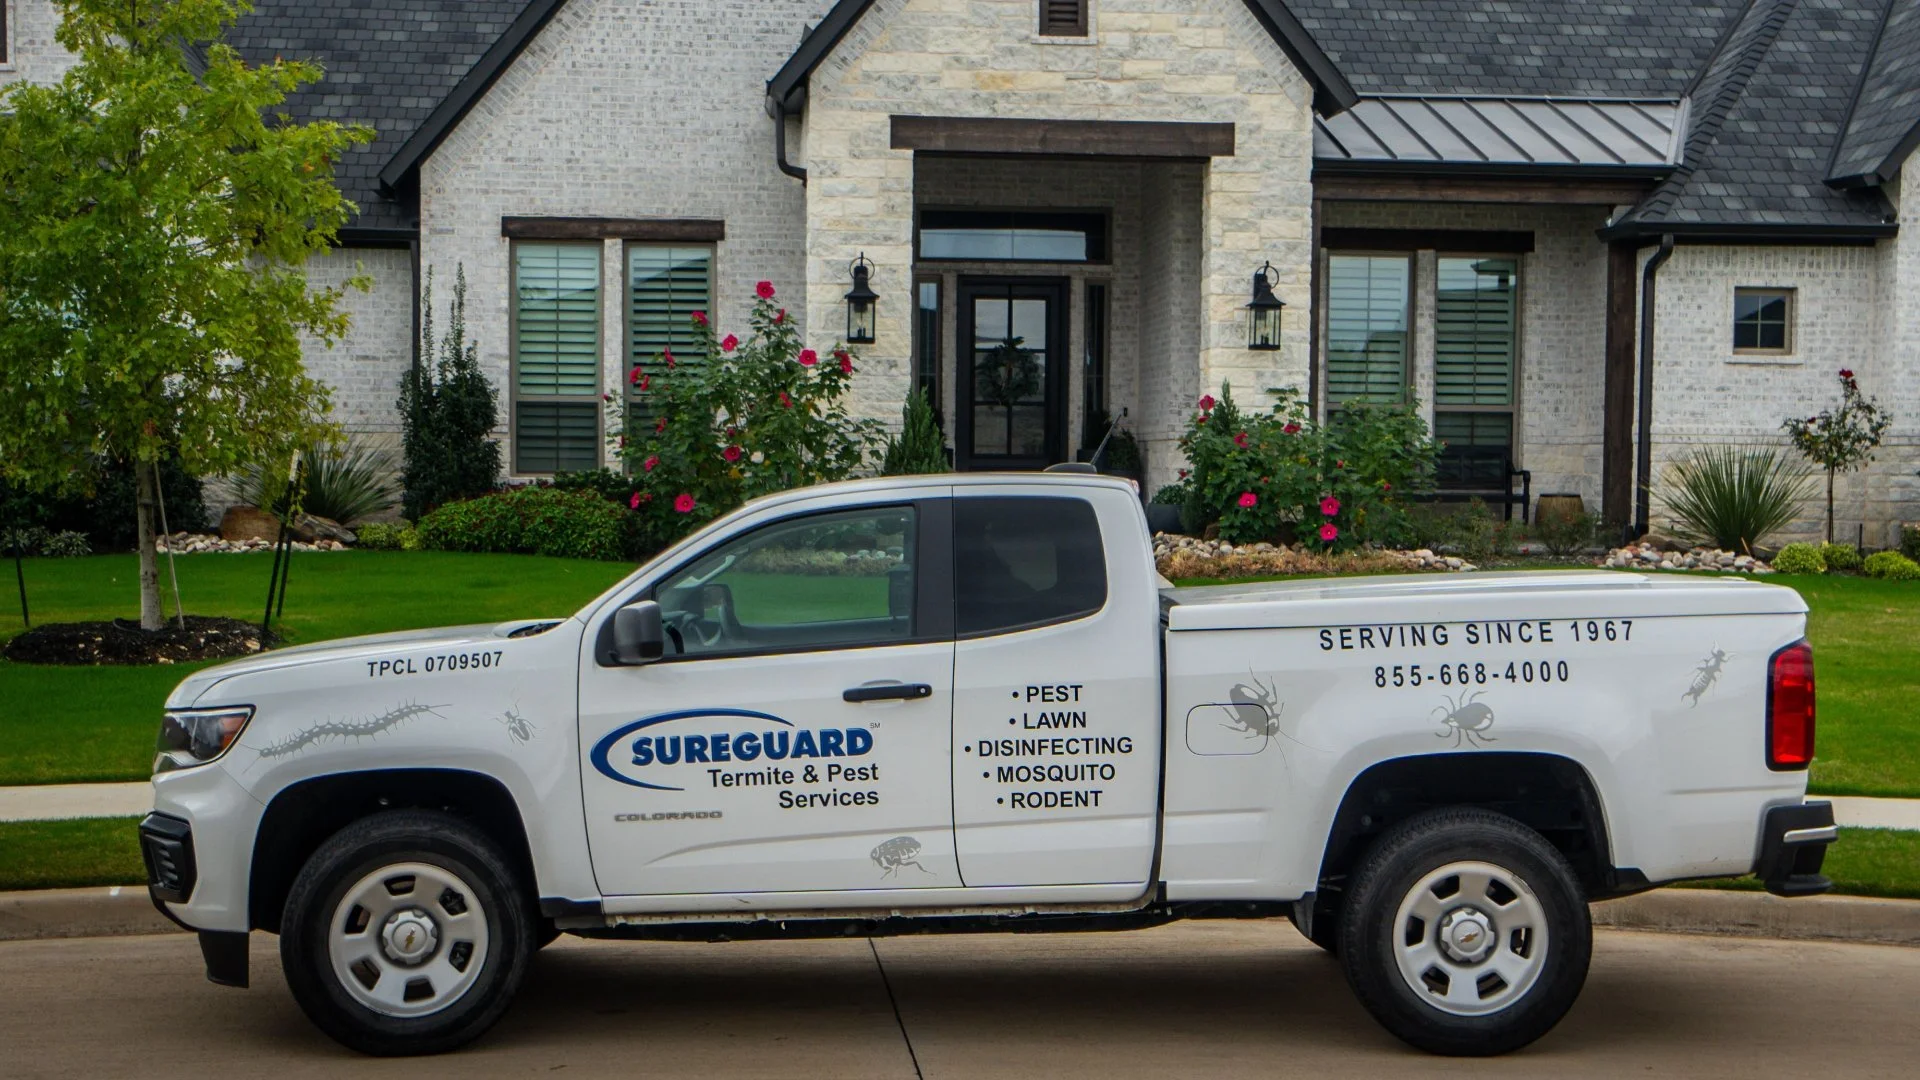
x=1466, y=933
x=406, y=933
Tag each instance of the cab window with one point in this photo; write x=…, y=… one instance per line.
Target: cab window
x=1021, y=562
x=828, y=580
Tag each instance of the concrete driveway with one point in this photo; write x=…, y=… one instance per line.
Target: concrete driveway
x=1223, y=999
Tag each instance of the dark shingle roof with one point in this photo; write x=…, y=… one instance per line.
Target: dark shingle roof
x=1882, y=130
x=1529, y=48
x=1766, y=113
x=387, y=65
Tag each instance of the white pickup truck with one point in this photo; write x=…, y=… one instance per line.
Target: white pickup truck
x=969, y=703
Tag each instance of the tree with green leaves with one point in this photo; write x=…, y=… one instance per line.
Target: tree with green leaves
x=155, y=215
x=1840, y=439
x=920, y=447
x=447, y=412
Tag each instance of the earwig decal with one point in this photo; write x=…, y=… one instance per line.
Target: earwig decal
x=1256, y=709
x=896, y=853
x=1704, y=677
x=1468, y=719
x=347, y=729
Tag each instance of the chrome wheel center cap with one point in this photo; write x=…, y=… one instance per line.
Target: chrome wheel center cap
x=409, y=936
x=1467, y=935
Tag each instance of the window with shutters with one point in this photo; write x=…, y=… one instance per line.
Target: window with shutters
x=556, y=357
x=1475, y=350
x=1063, y=18
x=1367, y=298
x=665, y=286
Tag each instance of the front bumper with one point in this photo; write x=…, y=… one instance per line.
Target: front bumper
x=1793, y=844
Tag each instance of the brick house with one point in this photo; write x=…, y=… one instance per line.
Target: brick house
x=1545, y=221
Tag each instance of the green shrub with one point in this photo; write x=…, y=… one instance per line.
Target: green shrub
x=24, y=541
x=1800, y=559
x=1733, y=498
x=343, y=481
x=920, y=448
x=610, y=484
x=1565, y=534
x=447, y=413
x=387, y=536
x=1840, y=556
x=69, y=544
x=532, y=521
x=1892, y=566
x=1478, y=535
x=1910, y=542
x=106, y=514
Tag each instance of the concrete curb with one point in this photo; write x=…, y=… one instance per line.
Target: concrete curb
x=1745, y=914
x=111, y=911
x=124, y=909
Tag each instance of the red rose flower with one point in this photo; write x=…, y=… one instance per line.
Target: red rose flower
x=1329, y=533
x=1240, y=440
x=1329, y=506
x=1183, y=474
x=1291, y=428
x=764, y=290
x=785, y=401
x=1206, y=403
x=699, y=318
x=667, y=355
x=808, y=358
x=780, y=316
x=729, y=343
x=606, y=397
x=731, y=453
x=651, y=463
x=846, y=364
x=1845, y=373
x=634, y=503
x=1248, y=499
x=660, y=426
x=683, y=502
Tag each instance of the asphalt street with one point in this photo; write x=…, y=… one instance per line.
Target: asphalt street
x=1190, y=1000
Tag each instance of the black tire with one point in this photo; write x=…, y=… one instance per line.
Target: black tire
x=441, y=843
x=1539, y=887
x=1325, y=922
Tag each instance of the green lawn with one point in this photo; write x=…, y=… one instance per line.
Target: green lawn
x=79, y=724
x=1865, y=862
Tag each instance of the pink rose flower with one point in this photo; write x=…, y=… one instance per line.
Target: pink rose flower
x=1240, y=440
x=729, y=343
x=634, y=503
x=699, y=318
x=780, y=316
x=808, y=358
x=1329, y=533
x=667, y=355
x=1329, y=506
x=651, y=463
x=683, y=502
x=764, y=290
x=731, y=453
x=1248, y=500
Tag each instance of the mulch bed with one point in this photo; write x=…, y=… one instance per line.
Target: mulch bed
x=122, y=642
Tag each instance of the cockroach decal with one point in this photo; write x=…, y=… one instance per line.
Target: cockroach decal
x=520, y=729
x=1256, y=708
x=896, y=853
x=347, y=729
x=1704, y=677
x=1466, y=720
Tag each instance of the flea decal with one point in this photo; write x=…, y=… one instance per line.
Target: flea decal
x=347, y=729
x=1256, y=708
x=1704, y=677
x=896, y=853
x=1466, y=720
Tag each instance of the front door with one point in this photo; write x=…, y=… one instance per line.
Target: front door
x=1012, y=373
x=795, y=737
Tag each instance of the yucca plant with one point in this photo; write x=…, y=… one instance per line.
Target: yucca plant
x=1734, y=497
x=343, y=481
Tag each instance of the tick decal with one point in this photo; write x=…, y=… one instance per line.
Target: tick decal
x=896, y=853
x=1704, y=677
x=1466, y=720
x=1256, y=708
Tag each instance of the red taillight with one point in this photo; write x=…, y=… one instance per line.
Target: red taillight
x=1790, y=708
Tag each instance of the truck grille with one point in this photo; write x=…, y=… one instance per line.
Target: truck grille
x=166, y=843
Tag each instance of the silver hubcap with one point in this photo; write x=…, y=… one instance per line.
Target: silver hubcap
x=408, y=939
x=1470, y=938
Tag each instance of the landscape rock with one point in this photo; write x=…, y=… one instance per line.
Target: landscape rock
x=242, y=523
x=311, y=527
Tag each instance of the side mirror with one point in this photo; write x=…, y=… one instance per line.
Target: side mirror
x=639, y=635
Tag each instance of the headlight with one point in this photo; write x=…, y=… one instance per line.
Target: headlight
x=191, y=737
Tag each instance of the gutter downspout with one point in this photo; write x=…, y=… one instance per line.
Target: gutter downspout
x=1643, y=464
x=413, y=259
x=779, y=110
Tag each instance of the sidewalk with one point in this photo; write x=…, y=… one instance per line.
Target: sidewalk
x=53, y=801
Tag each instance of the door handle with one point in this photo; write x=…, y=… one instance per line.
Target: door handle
x=888, y=692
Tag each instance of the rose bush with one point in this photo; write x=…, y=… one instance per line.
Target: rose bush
x=758, y=415
x=1333, y=485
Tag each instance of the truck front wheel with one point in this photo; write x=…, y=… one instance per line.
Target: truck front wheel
x=406, y=933
x=1466, y=933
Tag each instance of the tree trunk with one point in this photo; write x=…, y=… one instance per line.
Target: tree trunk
x=150, y=617
x=1829, y=506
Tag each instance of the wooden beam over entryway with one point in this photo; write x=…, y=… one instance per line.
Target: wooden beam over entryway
x=1062, y=138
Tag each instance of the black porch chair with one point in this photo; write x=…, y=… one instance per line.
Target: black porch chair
x=1465, y=473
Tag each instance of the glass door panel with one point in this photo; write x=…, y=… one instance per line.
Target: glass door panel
x=1014, y=353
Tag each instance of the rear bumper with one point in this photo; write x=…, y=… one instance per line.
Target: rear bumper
x=1793, y=844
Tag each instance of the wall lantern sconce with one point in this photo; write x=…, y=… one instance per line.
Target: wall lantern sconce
x=1263, y=311
x=860, y=301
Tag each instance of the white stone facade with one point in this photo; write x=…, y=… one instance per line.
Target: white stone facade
x=32, y=54
x=363, y=368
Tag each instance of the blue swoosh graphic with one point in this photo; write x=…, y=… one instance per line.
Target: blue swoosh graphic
x=605, y=746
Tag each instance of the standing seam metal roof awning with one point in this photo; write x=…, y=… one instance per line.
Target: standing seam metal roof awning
x=1503, y=133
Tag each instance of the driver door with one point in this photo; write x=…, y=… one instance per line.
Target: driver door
x=796, y=737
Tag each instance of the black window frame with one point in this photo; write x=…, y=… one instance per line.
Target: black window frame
x=1064, y=18
x=928, y=355
x=1097, y=225
x=1097, y=558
